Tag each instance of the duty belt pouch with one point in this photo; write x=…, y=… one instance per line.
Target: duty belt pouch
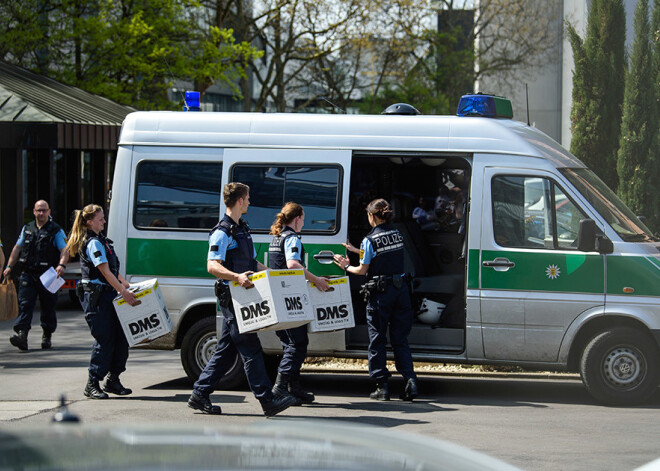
x=222, y=293
x=381, y=284
x=397, y=281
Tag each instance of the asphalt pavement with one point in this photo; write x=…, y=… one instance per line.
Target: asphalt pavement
x=532, y=421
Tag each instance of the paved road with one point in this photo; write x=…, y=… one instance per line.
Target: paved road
x=533, y=423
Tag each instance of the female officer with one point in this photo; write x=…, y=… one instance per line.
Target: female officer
x=101, y=282
x=381, y=259
x=286, y=251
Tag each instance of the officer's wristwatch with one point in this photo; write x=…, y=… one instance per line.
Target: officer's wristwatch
x=346, y=267
x=61, y=265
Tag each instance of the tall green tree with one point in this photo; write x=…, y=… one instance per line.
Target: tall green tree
x=130, y=51
x=638, y=161
x=598, y=85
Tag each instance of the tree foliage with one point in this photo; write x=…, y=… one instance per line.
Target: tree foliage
x=448, y=55
x=637, y=158
x=598, y=83
x=127, y=50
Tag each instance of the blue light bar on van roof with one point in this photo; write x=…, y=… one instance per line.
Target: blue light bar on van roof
x=191, y=101
x=488, y=106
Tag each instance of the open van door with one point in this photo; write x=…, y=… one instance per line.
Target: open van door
x=318, y=180
x=534, y=280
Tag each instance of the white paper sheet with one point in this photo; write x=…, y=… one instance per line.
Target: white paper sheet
x=51, y=281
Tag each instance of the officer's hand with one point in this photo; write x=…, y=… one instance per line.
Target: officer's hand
x=59, y=270
x=244, y=281
x=341, y=261
x=129, y=297
x=6, y=272
x=350, y=247
x=322, y=284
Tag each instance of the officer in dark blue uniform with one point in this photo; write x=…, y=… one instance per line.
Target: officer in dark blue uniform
x=231, y=257
x=40, y=246
x=388, y=304
x=286, y=252
x=100, y=284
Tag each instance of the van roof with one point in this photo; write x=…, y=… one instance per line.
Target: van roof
x=452, y=134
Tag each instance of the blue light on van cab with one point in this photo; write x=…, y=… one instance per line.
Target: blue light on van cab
x=191, y=101
x=488, y=106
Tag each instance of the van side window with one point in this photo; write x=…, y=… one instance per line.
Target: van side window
x=316, y=188
x=533, y=212
x=177, y=195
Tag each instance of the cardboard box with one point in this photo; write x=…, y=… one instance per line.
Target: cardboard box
x=278, y=300
x=149, y=319
x=333, y=310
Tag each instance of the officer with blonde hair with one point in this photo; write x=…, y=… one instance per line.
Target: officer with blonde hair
x=101, y=281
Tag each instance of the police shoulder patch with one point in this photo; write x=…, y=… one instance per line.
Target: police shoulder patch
x=97, y=253
x=361, y=253
x=214, y=248
x=294, y=249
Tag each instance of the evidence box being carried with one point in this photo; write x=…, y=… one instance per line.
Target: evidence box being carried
x=278, y=300
x=333, y=309
x=149, y=319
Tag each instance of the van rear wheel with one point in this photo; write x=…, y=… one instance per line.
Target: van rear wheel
x=197, y=348
x=620, y=366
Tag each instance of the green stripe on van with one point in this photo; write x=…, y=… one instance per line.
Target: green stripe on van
x=187, y=258
x=545, y=271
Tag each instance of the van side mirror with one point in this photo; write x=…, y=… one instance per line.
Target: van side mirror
x=587, y=236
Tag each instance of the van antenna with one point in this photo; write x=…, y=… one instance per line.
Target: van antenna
x=527, y=103
x=325, y=99
x=183, y=96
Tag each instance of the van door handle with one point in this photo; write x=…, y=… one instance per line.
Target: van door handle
x=499, y=264
x=325, y=257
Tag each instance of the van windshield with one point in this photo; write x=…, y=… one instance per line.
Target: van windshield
x=609, y=206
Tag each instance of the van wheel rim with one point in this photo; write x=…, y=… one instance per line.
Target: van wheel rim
x=205, y=349
x=624, y=367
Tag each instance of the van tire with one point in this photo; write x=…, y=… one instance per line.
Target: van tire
x=198, y=347
x=619, y=366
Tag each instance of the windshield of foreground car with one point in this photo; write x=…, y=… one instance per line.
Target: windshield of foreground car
x=609, y=205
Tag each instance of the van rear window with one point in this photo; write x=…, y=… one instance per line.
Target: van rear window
x=177, y=195
x=315, y=188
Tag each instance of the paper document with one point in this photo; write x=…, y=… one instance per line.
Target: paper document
x=51, y=281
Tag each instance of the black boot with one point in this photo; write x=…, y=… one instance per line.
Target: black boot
x=281, y=387
x=410, y=391
x=203, y=403
x=46, y=343
x=114, y=386
x=93, y=390
x=382, y=392
x=277, y=404
x=296, y=390
x=19, y=340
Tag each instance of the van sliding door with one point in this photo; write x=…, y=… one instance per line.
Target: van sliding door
x=318, y=180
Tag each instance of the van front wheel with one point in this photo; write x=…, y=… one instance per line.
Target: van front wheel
x=198, y=347
x=620, y=366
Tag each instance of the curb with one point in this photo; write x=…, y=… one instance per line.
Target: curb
x=466, y=374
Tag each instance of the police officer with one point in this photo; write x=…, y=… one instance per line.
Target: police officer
x=388, y=305
x=40, y=246
x=286, y=251
x=231, y=257
x=100, y=284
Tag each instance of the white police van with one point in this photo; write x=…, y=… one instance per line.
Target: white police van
x=538, y=262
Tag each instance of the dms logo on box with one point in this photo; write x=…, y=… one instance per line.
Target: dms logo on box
x=255, y=310
x=144, y=324
x=293, y=303
x=332, y=312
